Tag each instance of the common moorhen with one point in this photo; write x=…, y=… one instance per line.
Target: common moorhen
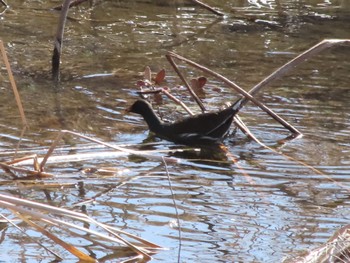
x=199, y=129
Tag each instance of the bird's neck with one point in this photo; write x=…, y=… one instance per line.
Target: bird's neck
x=153, y=121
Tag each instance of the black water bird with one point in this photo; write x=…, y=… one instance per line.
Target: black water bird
x=211, y=127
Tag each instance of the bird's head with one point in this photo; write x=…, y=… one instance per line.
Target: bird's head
x=139, y=107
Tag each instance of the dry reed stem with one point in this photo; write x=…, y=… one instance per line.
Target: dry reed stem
x=18, y=160
x=19, y=141
x=284, y=155
x=239, y=90
x=278, y=73
x=70, y=248
x=104, y=192
x=188, y=86
x=30, y=173
x=240, y=124
x=13, y=84
x=139, y=250
x=170, y=96
x=6, y=6
x=317, y=171
x=139, y=153
x=177, y=101
x=4, y=3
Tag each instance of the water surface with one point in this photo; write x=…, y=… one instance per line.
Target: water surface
x=264, y=208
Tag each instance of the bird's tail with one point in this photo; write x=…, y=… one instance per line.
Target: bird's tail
x=238, y=105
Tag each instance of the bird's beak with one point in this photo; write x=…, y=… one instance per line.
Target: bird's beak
x=127, y=110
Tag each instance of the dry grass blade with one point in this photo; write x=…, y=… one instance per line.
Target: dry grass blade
x=149, y=245
x=335, y=250
x=41, y=245
x=73, y=250
x=13, y=84
x=33, y=213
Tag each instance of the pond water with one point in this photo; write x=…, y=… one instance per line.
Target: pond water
x=265, y=207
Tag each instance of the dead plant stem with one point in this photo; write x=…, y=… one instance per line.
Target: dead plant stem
x=56, y=57
x=176, y=210
x=13, y=84
x=208, y=7
x=188, y=86
x=139, y=153
x=233, y=85
x=327, y=43
x=32, y=239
